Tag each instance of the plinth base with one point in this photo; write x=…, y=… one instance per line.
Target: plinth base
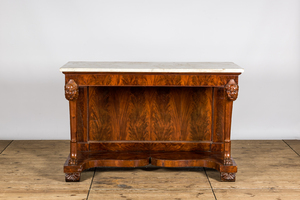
x=88, y=160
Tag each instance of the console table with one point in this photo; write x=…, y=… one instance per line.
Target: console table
x=168, y=114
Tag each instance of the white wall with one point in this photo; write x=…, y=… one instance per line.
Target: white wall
x=37, y=37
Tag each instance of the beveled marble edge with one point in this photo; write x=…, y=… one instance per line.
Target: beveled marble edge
x=146, y=67
x=154, y=70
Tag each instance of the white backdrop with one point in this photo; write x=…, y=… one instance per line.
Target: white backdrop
x=37, y=37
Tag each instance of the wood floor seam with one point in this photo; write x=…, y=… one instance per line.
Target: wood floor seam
x=6, y=147
x=87, y=197
x=210, y=184
x=291, y=147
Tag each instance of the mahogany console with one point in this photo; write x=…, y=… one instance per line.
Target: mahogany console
x=131, y=114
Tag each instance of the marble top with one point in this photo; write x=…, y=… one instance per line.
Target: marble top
x=191, y=67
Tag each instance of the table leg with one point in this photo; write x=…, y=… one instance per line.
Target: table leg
x=232, y=93
x=71, y=93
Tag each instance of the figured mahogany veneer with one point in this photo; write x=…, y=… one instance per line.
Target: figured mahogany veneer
x=121, y=119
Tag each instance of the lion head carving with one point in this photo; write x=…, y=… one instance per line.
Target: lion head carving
x=232, y=90
x=71, y=90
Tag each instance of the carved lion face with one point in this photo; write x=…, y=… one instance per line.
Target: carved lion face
x=71, y=91
x=232, y=91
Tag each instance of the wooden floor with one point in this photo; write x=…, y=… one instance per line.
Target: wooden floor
x=34, y=170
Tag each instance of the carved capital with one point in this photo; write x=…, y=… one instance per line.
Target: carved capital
x=73, y=161
x=232, y=90
x=71, y=90
x=229, y=177
x=227, y=161
x=72, y=177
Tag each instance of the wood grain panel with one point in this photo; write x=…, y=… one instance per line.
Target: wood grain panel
x=181, y=108
x=140, y=79
x=119, y=111
x=100, y=122
x=201, y=117
x=132, y=146
x=217, y=147
x=177, y=114
x=83, y=146
x=162, y=126
x=219, y=113
x=150, y=114
x=82, y=115
x=139, y=117
x=119, y=114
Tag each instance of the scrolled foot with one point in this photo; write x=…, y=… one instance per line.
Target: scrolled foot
x=72, y=177
x=227, y=177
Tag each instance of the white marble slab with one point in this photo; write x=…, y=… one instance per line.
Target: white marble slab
x=177, y=67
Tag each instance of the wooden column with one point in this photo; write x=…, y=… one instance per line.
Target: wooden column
x=232, y=93
x=71, y=93
x=227, y=142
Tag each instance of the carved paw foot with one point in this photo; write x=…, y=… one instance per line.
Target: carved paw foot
x=72, y=177
x=228, y=177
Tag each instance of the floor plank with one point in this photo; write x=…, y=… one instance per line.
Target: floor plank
x=151, y=183
x=34, y=170
x=265, y=194
x=261, y=165
x=3, y=144
x=150, y=195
